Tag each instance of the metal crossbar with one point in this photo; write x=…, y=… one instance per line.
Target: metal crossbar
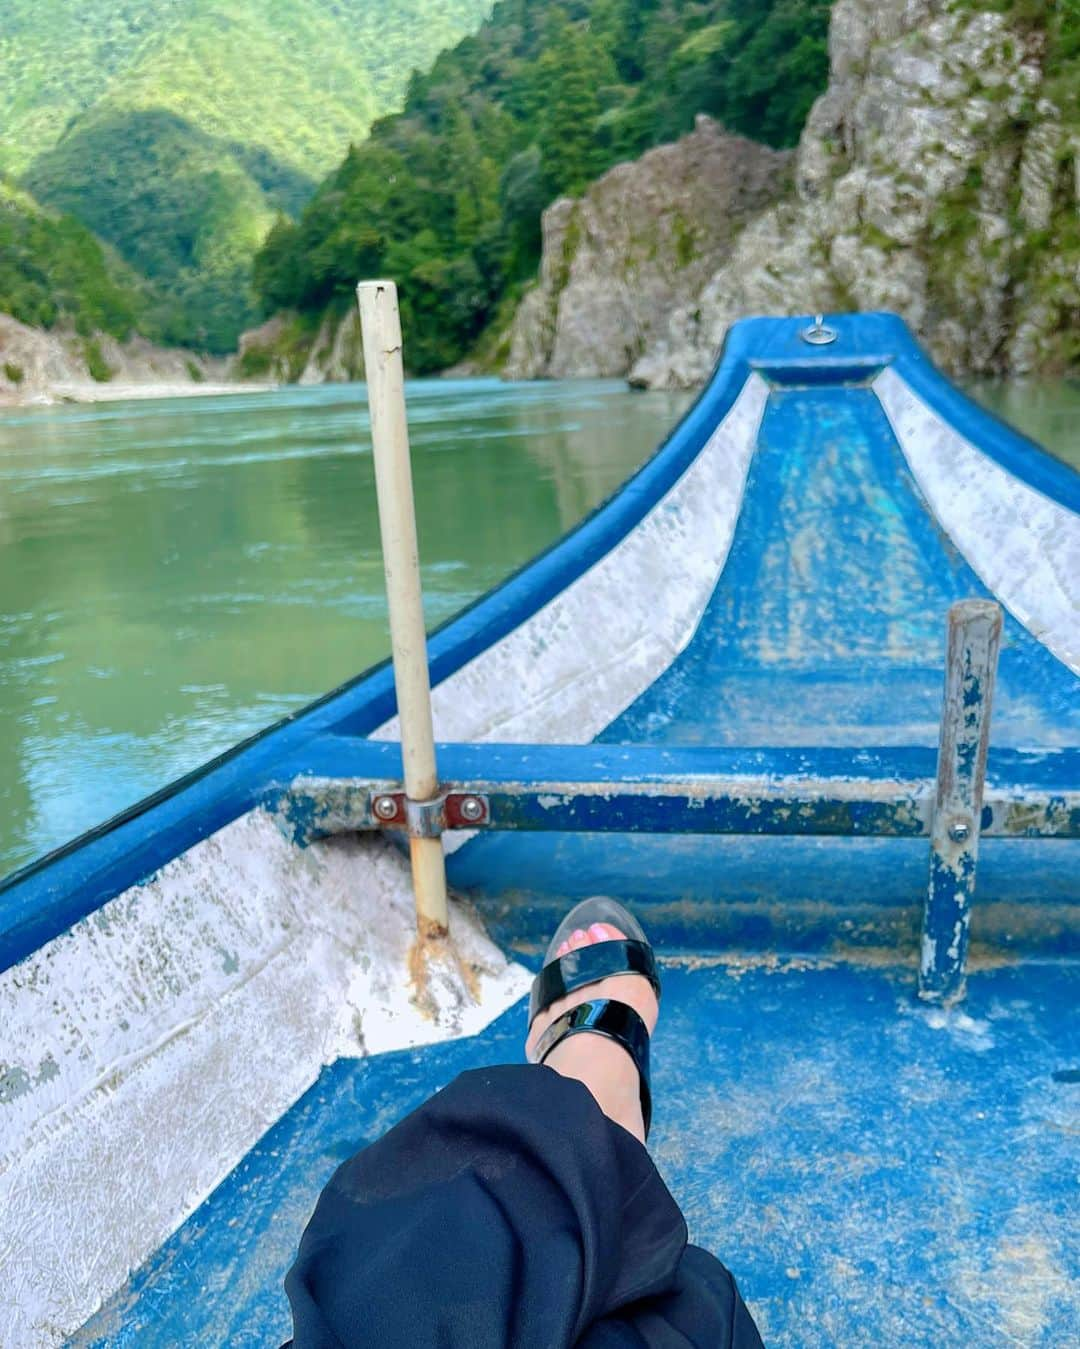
x=952, y=798
x=707, y=803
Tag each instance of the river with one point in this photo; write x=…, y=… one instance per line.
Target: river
x=176, y=574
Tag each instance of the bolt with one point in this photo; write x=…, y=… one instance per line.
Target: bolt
x=959, y=831
x=471, y=808
x=385, y=807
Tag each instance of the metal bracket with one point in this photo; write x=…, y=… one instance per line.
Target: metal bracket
x=970, y=669
x=819, y=334
x=467, y=810
x=388, y=809
x=429, y=819
x=424, y=819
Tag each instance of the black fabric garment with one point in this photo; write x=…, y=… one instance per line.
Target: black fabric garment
x=508, y=1212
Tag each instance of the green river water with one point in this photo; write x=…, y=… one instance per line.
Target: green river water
x=176, y=574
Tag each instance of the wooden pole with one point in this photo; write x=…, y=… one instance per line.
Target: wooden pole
x=381, y=326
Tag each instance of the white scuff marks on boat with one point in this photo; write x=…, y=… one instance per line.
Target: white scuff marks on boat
x=958, y=930
x=401, y=995
x=582, y=659
x=1023, y=546
x=1014, y=1286
x=928, y=952
x=147, y=1049
x=971, y=1033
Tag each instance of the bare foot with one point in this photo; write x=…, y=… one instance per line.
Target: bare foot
x=600, y=1063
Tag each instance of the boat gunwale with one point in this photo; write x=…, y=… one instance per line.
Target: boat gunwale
x=51, y=893
x=454, y=642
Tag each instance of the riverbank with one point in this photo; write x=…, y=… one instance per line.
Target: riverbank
x=41, y=366
x=123, y=391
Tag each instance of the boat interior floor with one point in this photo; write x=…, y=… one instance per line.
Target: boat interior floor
x=719, y=700
x=827, y=622
x=873, y=1170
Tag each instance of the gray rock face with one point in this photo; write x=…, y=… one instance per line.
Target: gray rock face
x=922, y=175
x=337, y=355
x=645, y=237
x=283, y=349
x=38, y=366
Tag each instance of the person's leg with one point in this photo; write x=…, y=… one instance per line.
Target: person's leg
x=602, y=1065
x=701, y=1305
x=517, y=1208
x=703, y=1308
x=508, y=1212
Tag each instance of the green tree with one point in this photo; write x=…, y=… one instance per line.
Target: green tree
x=775, y=68
x=523, y=196
x=447, y=196
x=276, y=276
x=53, y=270
x=571, y=73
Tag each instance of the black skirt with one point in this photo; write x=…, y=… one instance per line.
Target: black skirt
x=508, y=1211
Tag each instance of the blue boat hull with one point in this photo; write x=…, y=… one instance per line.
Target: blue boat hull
x=868, y=1170
x=762, y=606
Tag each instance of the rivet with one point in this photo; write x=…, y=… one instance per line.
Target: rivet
x=385, y=807
x=471, y=808
x=959, y=831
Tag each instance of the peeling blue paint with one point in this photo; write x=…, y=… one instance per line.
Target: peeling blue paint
x=970, y=667
x=834, y=1173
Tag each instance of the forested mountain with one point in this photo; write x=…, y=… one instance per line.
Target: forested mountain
x=446, y=197
x=176, y=129
x=53, y=270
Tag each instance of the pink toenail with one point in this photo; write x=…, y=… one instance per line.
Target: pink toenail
x=597, y=932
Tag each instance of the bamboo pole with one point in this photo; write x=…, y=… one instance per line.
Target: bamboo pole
x=381, y=326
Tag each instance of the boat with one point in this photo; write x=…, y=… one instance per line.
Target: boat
x=805, y=694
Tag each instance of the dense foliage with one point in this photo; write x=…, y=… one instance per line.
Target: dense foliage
x=53, y=270
x=178, y=206
x=446, y=197
x=1063, y=53
x=176, y=128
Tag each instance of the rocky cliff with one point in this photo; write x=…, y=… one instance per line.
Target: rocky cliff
x=645, y=238
x=41, y=366
x=287, y=349
x=936, y=177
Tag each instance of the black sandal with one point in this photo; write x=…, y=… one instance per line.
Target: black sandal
x=604, y=1016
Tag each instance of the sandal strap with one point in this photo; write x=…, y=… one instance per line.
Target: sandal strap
x=619, y=1022
x=586, y=965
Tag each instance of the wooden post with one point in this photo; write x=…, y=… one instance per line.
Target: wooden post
x=970, y=668
x=381, y=327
